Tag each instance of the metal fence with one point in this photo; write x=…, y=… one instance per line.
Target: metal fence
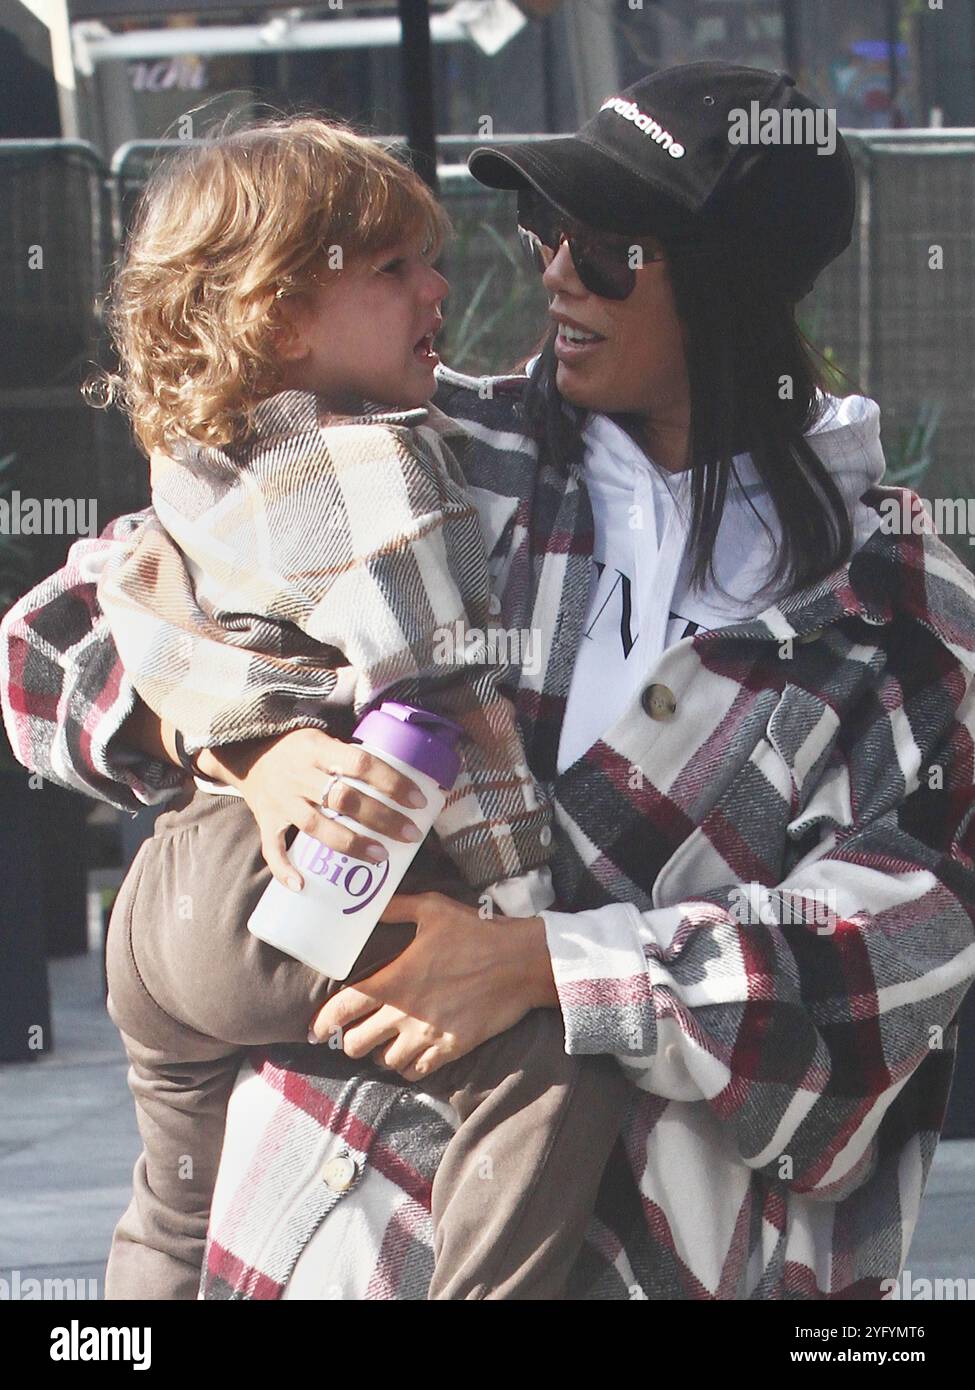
x=901, y=327
x=56, y=247
x=898, y=308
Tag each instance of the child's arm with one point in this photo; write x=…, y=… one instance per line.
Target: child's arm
x=72, y=715
x=66, y=699
x=354, y=544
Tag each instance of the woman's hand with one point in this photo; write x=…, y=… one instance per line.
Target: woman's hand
x=282, y=780
x=460, y=981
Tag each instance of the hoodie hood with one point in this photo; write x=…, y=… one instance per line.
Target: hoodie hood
x=845, y=436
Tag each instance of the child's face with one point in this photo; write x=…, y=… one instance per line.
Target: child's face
x=367, y=332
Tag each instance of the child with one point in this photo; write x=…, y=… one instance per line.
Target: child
x=309, y=549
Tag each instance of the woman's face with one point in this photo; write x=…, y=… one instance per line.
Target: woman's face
x=637, y=363
x=367, y=333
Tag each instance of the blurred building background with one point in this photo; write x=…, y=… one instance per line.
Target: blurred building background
x=137, y=67
x=108, y=80
x=90, y=88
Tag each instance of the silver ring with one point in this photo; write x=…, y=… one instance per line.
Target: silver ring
x=333, y=777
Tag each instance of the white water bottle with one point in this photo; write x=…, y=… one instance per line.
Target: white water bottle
x=327, y=924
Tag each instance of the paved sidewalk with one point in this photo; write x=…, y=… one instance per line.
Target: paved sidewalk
x=68, y=1137
x=68, y=1140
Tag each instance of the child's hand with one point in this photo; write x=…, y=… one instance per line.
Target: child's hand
x=283, y=779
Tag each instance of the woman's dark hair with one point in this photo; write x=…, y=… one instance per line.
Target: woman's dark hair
x=743, y=346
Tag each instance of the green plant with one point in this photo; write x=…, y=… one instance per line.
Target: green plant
x=911, y=456
x=496, y=307
x=810, y=323
x=474, y=326
x=910, y=10
x=837, y=378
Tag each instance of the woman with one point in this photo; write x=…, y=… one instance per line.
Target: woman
x=763, y=784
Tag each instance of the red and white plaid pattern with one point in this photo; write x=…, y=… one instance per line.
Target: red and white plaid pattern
x=791, y=1077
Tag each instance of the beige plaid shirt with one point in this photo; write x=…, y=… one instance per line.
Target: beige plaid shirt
x=330, y=562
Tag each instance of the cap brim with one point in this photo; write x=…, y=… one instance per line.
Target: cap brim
x=583, y=181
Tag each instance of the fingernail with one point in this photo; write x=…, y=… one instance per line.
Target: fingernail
x=376, y=853
x=416, y=798
x=294, y=883
x=312, y=1036
x=412, y=833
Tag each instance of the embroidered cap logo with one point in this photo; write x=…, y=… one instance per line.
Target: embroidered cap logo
x=631, y=112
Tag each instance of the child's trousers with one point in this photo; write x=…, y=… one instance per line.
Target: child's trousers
x=190, y=988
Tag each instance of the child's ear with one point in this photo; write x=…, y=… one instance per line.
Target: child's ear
x=291, y=344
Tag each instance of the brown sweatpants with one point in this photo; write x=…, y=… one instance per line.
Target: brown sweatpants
x=190, y=988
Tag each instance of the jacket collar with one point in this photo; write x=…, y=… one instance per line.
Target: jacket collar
x=915, y=575
x=364, y=412
x=306, y=404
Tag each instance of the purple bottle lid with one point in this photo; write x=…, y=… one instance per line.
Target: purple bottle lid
x=423, y=740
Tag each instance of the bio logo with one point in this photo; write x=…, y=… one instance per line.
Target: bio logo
x=357, y=881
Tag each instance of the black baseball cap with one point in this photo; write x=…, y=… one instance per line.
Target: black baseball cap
x=659, y=158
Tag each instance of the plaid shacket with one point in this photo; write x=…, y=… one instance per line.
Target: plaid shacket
x=333, y=561
x=791, y=1074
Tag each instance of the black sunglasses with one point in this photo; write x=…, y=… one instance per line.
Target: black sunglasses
x=604, y=263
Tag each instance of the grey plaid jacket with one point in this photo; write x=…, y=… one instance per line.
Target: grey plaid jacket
x=791, y=1068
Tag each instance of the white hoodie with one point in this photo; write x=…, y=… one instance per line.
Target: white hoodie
x=641, y=602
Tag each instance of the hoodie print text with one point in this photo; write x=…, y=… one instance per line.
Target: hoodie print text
x=641, y=601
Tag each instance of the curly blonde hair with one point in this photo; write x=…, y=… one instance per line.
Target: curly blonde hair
x=222, y=232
